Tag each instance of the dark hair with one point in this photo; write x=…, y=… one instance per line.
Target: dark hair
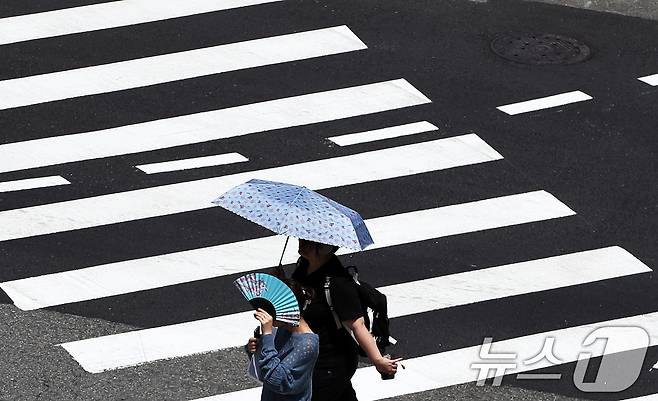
x=322, y=249
x=302, y=293
x=325, y=249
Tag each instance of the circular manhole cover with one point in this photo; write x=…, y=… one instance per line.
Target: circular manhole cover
x=539, y=48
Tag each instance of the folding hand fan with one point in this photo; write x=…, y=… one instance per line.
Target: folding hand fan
x=271, y=294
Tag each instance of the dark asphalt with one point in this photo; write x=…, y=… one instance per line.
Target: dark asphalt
x=598, y=157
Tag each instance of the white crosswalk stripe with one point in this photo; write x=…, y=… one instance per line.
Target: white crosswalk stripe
x=107, y=15
x=651, y=397
x=31, y=183
x=177, y=66
x=196, y=162
x=383, y=133
x=650, y=79
x=545, y=102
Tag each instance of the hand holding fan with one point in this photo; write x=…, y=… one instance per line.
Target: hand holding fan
x=272, y=295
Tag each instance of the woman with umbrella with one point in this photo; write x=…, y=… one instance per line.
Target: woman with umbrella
x=318, y=221
x=338, y=355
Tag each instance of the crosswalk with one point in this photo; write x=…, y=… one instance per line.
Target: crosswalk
x=363, y=157
x=422, y=374
x=159, y=271
x=177, y=66
x=212, y=125
x=193, y=195
x=141, y=346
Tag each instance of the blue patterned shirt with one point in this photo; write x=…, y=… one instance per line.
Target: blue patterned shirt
x=285, y=361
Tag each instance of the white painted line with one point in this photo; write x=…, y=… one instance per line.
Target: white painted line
x=212, y=125
x=193, y=195
x=650, y=79
x=509, y=280
x=451, y=368
x=133, y=348
x=197, y=162
x=545, y=102
x=176, y=66
x=107, y=15
x=238, y=257
x=141, y=346
x=384, y=133
x=650, y=397
x=32, y=183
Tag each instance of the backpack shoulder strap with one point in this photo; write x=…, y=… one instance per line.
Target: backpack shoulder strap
x=339, y=324
x=353, y=272
x=327, y=294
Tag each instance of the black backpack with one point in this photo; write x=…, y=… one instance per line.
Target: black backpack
x=372, y=301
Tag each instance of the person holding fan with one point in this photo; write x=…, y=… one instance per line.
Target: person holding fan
x=286, y=350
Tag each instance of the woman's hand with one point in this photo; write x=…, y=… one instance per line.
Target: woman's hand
x=251, y=345
x=265, y=321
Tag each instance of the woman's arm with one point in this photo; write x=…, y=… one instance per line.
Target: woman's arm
x=367, y=343
x=291, y=375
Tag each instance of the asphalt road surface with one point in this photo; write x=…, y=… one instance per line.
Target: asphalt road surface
x=507, y=200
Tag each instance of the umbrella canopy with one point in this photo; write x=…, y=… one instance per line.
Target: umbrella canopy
x=298, y=212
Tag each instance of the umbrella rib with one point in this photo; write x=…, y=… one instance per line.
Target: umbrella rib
x=290, y=207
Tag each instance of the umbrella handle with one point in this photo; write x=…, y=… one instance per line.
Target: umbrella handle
x=284, y=250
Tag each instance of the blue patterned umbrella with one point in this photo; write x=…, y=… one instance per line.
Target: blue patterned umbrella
x=297, y=212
